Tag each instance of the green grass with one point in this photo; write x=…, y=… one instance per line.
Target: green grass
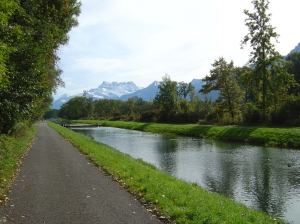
x=282, y=137
x=165, y=195
x=12, y=150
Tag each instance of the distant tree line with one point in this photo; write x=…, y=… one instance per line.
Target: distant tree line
x=175, y=102
x=31, y=33
x=265, y=91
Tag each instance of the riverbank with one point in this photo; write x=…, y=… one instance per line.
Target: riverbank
x=166, y=196
x=280, y=137
x=12, y=150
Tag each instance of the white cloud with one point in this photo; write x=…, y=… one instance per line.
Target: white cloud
x=96, y=65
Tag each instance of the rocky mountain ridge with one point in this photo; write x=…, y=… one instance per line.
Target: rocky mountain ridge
x=125, y=90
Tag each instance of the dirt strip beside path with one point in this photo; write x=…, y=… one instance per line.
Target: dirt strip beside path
x=57, y=184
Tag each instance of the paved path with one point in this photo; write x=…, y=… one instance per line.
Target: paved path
x=57, y=184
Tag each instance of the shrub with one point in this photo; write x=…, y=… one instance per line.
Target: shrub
x=20, y=129
x=288, y=114
x=251, y=114
x=150, y=116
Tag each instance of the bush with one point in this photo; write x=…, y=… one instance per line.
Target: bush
x=150, y=116
x=251, y=114
x=288, y=114
x=20, y=129
x=4, y=145
x=214, y=116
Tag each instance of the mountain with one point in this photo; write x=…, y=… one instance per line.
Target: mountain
x=198, y=83
x=126, y=90
x=106, y=90
x=113, y=90
x=60, y=101
x=296, y=49
x=145, y=94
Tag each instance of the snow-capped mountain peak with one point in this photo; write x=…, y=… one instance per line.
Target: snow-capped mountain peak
x=113, y=90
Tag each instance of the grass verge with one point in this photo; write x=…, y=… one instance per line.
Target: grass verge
x=281, y=137
x=12, y=150
x=168, y=197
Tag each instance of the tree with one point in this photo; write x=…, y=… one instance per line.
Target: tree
x=75, y=108
x=167, y=97
x=8, y=33
x=32, y=32
x=184, y=89
x=223, y=78
x=263, y=56
x=294, y=69
x=88, y=104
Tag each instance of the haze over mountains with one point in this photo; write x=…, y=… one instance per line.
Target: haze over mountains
x=125, y=90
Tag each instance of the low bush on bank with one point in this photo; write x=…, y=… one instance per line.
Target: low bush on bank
x=168, y=197
x=282, y=137
x=12, y=149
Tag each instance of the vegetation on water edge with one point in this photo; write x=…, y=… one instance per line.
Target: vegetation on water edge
x=282, y=137
x=12, y=149
x=166, y=196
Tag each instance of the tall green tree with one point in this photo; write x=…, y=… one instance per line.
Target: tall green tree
x=75, y=108
x=8, y=34
x=34, y=32
x=184, y=89
x=167, y=97
x=263, y=57
x=88, y=104
x=223, y=78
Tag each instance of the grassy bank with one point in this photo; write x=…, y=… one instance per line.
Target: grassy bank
x=12, y=149
x=167, y=196
x=282, y=137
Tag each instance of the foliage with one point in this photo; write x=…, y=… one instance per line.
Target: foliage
x=294, y=69
x=149, y=116
x=167, y=97
x=176, y=200
x=88, y=105
x=267, y=62
x=251, y=114
x=288, y=114
x=75, y=108
x=223, y=78
x=32, y=32
x=245, y=76
x=184, y=89
x=53, y=113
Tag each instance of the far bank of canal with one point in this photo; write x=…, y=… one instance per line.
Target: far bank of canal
x=263, y=178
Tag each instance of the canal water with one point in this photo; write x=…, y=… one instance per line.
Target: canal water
x=262, y=178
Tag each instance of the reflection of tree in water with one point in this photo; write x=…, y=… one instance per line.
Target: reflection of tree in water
x=166, y=147
x=275, y=181
x=222, y=177
x=259, y=176
x=270, y=185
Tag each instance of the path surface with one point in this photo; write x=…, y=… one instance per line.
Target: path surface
x=57, y=184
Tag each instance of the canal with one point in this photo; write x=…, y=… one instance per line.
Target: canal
x=263, y=178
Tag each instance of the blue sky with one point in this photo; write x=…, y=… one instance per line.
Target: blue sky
x=142, y=40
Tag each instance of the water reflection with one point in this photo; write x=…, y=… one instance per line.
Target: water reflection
x=263, y=178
